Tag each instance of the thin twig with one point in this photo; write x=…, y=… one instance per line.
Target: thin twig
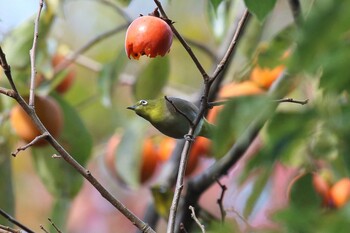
x=232, y=45
x=240, y=217
x=15, y=222
x=221, y=199
x=43, y=229
x=202, y=47
x=178, y=110
x=9, y=229
x=7, y=92
x=7, y=70
x=54, y=226
x=32, y=53
x=34, y=141
x=55, y=156
x=291, y=100
x=194, y=217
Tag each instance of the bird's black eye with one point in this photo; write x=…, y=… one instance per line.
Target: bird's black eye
x=143, y=102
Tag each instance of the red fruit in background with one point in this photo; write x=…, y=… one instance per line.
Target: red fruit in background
x=231, y=90
x=322, y=187
x=167, y=146
x=201, y=146
x=264, y=77
x=68, y=80
x=149, y=160
x=340, y=192
x=48, y=111
x=148, y=35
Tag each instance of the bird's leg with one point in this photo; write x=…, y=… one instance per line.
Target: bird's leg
x=189, y=137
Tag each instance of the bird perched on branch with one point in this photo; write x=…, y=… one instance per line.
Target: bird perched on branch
x=172, y=116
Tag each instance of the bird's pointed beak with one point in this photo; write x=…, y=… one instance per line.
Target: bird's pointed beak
x=131, y=107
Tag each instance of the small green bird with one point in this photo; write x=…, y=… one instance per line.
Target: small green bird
x=172, y=116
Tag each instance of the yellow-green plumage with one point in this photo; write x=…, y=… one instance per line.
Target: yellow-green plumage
x=167, y=115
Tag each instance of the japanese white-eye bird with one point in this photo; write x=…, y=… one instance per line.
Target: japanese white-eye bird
x=172, y=116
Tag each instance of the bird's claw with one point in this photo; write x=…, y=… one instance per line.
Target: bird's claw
x=189, y=137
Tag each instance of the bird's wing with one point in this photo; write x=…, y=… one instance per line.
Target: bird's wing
x=186, y=107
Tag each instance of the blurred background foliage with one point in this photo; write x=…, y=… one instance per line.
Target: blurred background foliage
x=273, y=188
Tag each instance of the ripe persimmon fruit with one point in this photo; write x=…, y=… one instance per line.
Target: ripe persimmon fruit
x=149, y=158
x=264, y=77
x=148, y=35
x=167, y=146
x=48, y=111
x=340, y=192
x=68, y=80
x=231, y=90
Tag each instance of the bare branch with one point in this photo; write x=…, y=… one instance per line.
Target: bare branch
x=35, y=140
x=8, y=92
x=43, y=229
x=193, y=215
x=15, y=222
x=7, y=69
x=54, y=226
x=32, y=54
x=220, y=200
x=290, y=100
x=9, y=229
x=232, y=46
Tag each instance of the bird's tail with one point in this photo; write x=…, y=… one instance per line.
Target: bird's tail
x=207, y=129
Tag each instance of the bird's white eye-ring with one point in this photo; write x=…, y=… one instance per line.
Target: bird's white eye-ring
x=143, y=102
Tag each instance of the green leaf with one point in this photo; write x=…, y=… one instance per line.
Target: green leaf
x=272, y=55
x=215, y=3
x=128, y=154
x=302, y=193
x=234, y=120
x=286, y=136
x=218, y=15
x=260, y=8
x=152, y=79
x=109, y=76
x=58, y=176
x=323, y=45
x=7, y=201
